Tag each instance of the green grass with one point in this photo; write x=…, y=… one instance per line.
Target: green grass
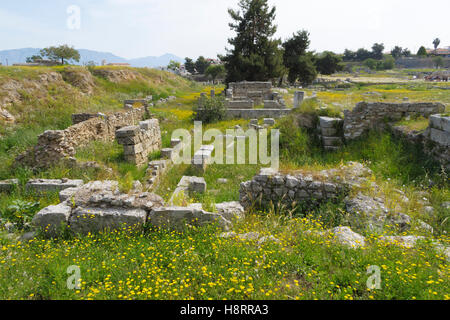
x=198, y=264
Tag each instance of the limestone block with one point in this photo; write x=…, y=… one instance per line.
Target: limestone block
x=178, y=218
x=440, y=122
x=440, y=137
x=231, y=211
x=53, y=218
x=8, y=185
x=48, y=185
x=93, y=220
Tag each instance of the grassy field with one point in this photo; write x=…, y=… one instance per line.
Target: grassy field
x=199, y=264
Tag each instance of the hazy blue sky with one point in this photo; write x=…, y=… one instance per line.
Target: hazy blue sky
x=136, y=28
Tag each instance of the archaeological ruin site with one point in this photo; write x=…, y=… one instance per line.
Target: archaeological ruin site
x=278, y=170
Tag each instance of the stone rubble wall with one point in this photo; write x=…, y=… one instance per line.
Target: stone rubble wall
x=54, y=145
x=270, y=186
x=372, y=115
x=139, y=141
x=99, y=206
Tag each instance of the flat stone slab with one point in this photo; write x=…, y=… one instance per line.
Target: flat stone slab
x=440, y=122
x=8, y=185
x=230, y=210
x=127, y=131
x=85, y=220
x=53, y=218
x=179, y=217
x=327, y=122
x=68, y=193
x=440, y=137
x=269, y=121
x=48, y=185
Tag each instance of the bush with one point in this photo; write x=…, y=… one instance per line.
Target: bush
x=210, y=110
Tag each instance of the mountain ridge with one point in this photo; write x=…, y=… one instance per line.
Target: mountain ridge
x=13, y=56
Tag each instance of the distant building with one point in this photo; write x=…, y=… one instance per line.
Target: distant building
x=445, y=52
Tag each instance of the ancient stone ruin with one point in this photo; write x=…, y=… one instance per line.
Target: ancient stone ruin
x=307, y=190
x=139, y=141
x=374, y=115
x=55, y=145
x=100, y=206
x=243, y=97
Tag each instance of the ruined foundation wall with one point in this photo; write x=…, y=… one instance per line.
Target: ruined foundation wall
x=54, y=145
x=366, y=116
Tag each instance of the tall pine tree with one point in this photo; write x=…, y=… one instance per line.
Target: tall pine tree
x=255, y=56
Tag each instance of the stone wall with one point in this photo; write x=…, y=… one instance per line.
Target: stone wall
x=256, y=113
x=437, y=139
x=54, y=145
x=81, y=117
x=270, y=186
x=372, y=115
x=256, y=91
x=139, y=141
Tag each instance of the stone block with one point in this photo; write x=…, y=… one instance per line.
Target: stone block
x=48, y=185
x=53, y=218
x=327, y=122
x=269, y=121
x=93, y=220
x=440, y=137
x=127, y=131
x=178, y=218
x=8, y=185
x=440, y=122
x=332, y=141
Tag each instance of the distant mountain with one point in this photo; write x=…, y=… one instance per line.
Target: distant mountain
x=20, y=56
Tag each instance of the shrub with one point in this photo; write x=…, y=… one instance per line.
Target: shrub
x=210, y=110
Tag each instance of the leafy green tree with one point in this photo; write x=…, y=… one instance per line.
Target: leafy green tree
x=173, y=65
x=255, y=55
x=63, y=53
x=396, y=53
x=370, y=63
x=328, y=63
x=436, y=43
x=295, y=58
x=216, y=71
x=387, y=64
x=201, y=65
x=406, y=52
x=362, y=54
x=210, y=109
x=422, y=52
x=349, y=55
x=33, y=58
x=377, y=51
x=438, y=62
x=189, y=65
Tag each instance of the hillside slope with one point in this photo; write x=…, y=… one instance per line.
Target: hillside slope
x=33, y=100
